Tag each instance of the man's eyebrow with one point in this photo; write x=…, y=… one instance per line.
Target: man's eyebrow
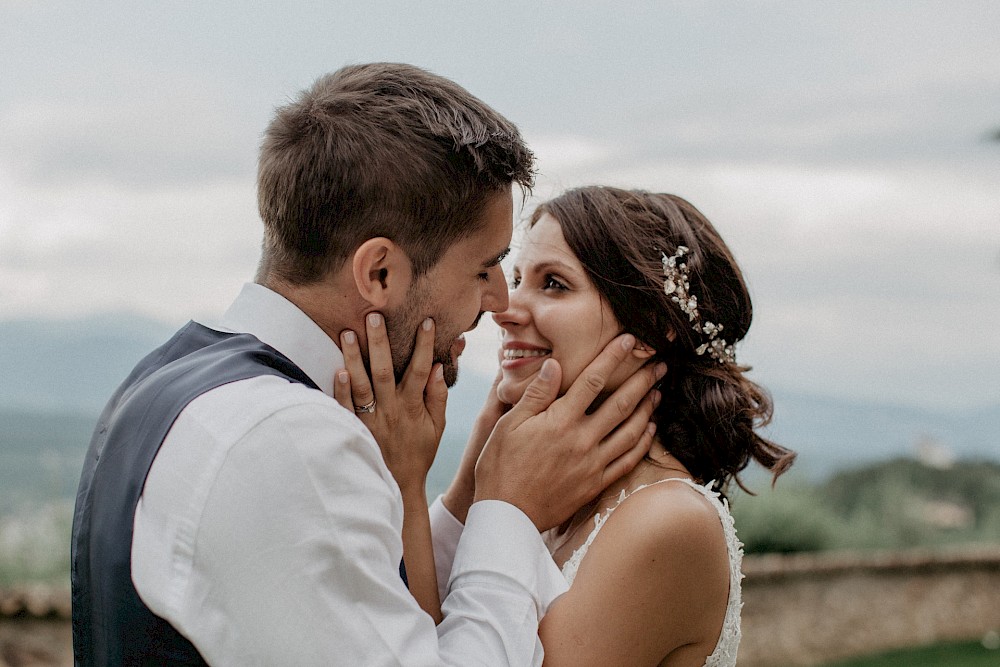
x=499, y=258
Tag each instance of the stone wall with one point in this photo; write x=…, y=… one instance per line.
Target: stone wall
x=803, y=609
x=807, y=609
x=34, y=628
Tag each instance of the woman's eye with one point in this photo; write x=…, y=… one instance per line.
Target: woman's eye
x=552, y=283
x=514, y=282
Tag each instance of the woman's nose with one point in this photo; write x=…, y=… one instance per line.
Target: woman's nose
x=517, y=311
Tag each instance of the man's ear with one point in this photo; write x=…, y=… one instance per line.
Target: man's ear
x=382, y=272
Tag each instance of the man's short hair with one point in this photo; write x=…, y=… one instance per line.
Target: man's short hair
x=374, y=150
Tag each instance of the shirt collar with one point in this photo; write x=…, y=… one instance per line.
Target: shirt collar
x=276, y=321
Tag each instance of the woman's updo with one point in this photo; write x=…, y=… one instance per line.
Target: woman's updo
x=710, y=411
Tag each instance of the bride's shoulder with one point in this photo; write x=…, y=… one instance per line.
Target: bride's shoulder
x=670, y=517
x=665, y=547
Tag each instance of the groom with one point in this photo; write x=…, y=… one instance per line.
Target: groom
x=231, y=512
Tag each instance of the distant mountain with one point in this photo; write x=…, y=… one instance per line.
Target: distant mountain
x=833, y=434
x=57, y=375
x=72, y=365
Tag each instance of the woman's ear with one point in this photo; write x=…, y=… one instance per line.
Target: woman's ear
x=382, y=272
x=642, y=351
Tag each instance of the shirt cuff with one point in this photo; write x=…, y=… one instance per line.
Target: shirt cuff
x=499, y=546
x=446, y=531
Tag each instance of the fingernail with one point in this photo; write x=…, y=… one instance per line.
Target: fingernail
x=439, y=373
x=656, y=398
x=343, y=377
x=374, y=320
x=547, y=370
x=349, y=337
x=427, y=324
x=628, y=342
x=651, y=429
x=660, y=370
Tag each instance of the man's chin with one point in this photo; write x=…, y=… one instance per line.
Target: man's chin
x=449, y=360
x=450, y=367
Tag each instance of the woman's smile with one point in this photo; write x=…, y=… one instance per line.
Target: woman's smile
x=520, y=355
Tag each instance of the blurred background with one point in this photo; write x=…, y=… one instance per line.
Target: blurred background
x=848, y=152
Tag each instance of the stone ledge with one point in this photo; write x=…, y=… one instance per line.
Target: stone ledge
x=36, y=602
x=768, y=567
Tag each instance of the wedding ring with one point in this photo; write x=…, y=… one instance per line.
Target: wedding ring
x=367, y=408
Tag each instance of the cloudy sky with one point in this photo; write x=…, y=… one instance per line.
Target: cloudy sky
x=841, y=148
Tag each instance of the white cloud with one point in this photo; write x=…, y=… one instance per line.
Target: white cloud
x=169, y=253
x=834, y=146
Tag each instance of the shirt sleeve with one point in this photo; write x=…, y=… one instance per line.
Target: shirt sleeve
x=446, y=531
x=295, y=553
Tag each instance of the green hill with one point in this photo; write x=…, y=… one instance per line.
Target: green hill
x=42, y=453
x=893, y=504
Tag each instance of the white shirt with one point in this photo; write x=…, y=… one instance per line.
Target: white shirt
x=268, y=531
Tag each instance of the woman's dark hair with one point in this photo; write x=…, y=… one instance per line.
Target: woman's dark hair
x=710, y=411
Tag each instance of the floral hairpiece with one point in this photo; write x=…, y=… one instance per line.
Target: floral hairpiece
x=676, y=285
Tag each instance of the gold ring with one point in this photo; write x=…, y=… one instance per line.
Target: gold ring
x=367, y=408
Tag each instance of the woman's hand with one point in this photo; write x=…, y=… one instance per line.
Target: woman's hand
x=408, y=419
x=460, y=493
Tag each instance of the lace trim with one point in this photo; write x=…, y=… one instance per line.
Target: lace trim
x=724, y=654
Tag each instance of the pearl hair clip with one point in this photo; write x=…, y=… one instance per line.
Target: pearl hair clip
x=676, y=286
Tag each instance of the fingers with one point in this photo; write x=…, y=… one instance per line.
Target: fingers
x=360, y=386
x=342, y=389
x=436, y=396
x=417, y=373
x=622, y=403
x=589, y=384
x=619, y=448
x=493, y=407
x=620, y=466
x=379, y=360
x=538, y=395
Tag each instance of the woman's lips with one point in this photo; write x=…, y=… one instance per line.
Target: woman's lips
x=514, y=357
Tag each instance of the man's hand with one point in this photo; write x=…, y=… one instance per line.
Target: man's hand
x=549, y=457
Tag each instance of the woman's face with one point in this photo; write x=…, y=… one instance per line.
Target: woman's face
x=555, y=311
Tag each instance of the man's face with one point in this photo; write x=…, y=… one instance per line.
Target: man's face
x=466, y=282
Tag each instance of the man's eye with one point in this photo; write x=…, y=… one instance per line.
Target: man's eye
x=484, y=276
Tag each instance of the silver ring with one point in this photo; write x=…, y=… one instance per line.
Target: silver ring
x=367, y=408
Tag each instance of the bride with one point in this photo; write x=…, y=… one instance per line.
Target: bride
x=653, y=563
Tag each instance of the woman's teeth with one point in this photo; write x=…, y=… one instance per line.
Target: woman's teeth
x=521, y=354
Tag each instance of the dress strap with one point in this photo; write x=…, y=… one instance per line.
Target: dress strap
x=704, y=490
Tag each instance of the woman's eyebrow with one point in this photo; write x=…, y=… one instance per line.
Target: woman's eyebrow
x=550, y=264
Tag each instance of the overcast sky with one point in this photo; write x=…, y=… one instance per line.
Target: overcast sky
x=841, y=148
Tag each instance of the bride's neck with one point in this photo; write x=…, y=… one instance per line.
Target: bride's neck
x=656, y=465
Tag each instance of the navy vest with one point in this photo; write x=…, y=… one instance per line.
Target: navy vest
x=111, y=625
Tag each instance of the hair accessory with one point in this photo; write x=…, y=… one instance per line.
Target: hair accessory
x=676, y=284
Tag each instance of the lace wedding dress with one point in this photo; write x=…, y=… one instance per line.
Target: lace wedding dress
x=724, y=654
